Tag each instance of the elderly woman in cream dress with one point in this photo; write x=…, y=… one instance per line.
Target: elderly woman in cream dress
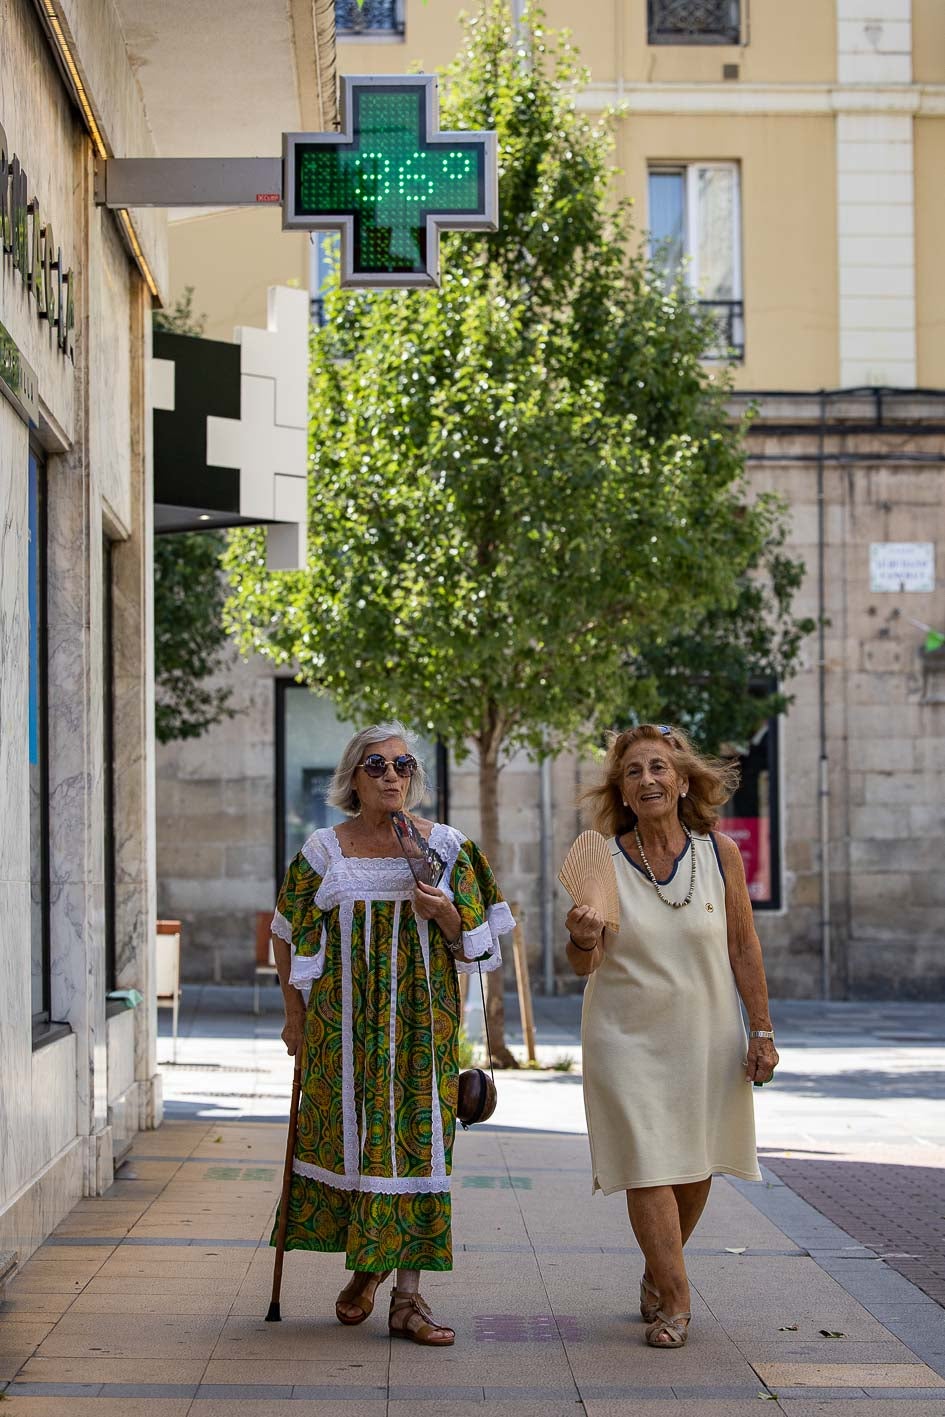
x=667, y=1065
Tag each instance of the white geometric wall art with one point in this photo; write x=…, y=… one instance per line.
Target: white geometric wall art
x=268, y=443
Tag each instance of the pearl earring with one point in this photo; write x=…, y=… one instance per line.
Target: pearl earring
x=682, y=794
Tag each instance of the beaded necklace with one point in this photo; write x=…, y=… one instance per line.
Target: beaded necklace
x=676, y=904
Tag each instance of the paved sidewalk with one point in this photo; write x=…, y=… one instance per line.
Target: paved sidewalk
x=149, y=1301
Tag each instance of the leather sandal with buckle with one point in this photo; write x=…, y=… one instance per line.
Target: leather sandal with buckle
x=359, y=1293
x=669, y=1332
x=414, y=1321
x=649, y=1300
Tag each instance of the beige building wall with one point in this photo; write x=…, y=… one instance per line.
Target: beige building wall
x=789, y=232
x=929, y=242
x=928, y=35
x=231, y=258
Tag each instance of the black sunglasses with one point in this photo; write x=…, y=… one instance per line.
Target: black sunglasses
x=375, y=765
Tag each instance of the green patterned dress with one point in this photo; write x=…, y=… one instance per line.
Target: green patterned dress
x=378, y=1107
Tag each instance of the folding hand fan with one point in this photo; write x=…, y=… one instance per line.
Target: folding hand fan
x=589, y=877
x=426, y=864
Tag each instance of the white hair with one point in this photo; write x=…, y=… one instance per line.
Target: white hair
x=342, y=792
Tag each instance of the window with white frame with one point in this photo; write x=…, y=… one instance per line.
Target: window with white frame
x=694, y=225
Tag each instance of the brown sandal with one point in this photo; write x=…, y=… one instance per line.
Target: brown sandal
x=418, y=1323
x=359, y=1293
x=675, y=1329
x=648, y=1308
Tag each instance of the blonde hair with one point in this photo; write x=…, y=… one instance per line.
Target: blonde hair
x=711, y=782
x=342, y=792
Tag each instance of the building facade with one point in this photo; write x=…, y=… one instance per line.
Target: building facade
x=78, y=1072
x=786, y=159
x=81, y=84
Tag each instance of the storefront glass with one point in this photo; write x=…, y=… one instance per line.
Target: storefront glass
x=751, y=818
x=38, y=774
x=310, y=738
x=108, y=761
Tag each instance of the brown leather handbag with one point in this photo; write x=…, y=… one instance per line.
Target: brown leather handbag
x=477, y=1097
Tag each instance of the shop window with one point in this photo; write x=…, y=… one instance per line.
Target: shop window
x=38, y=747
x=752, y=818
x=694, y=224
x=310, y=738
x=694, y=21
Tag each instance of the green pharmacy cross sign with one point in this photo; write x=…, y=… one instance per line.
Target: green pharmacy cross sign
x=390, y=182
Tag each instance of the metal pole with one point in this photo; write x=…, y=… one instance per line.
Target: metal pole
x=546, y=877
x=824, y=761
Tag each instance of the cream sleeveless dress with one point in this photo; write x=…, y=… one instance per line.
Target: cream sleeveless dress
x=663, y=1040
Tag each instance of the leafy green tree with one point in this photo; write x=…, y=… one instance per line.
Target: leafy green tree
x=189, y=594
x=190, y=641
x=527, y=500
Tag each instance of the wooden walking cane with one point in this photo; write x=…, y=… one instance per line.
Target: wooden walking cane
x=274, y=1316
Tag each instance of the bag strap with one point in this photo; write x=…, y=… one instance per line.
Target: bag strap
x=485, y=1022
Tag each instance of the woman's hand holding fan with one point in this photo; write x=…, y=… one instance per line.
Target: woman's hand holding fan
x=590, y=880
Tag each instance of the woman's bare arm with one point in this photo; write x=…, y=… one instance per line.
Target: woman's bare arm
x=744, y=952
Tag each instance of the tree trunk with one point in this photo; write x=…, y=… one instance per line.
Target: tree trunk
x=490, y=742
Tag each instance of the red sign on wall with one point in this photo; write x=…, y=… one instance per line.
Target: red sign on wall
x=753, y=837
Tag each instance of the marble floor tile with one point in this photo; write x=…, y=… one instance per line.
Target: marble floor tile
x=873, y=1375
x=309, y=1371
x=113, y=1370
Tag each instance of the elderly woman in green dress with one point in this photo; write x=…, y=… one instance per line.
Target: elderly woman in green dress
x=368, y=961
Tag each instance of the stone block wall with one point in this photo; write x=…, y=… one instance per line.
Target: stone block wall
x=883, y=480
x=215, y=827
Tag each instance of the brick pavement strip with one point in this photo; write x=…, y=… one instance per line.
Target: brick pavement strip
x=898, y=1211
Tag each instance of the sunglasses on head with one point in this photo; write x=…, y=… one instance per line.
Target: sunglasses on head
x=376, y=765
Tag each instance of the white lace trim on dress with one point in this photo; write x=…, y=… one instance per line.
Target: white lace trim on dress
x=499, y=921
x=377, y=1185
x=281, y=928
x=305, y=968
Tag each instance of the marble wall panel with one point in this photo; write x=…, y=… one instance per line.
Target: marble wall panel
x=41, y=127
x=40, y=1206
x=121, y=1053
x=53, y=1101
x=15, y=1038
x=109, y=367
x=75, y=773
x=14, y=646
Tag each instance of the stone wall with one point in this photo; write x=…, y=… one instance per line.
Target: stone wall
x=216, y=801
x=883, y=480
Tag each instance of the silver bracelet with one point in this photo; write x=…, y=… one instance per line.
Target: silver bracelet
x=762, y=1033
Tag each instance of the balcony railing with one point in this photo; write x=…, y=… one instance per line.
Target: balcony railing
x=372, y=17
x=694, y=21
x=728, y=317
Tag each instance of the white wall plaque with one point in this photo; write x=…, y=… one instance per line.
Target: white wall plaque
x=902, y=566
